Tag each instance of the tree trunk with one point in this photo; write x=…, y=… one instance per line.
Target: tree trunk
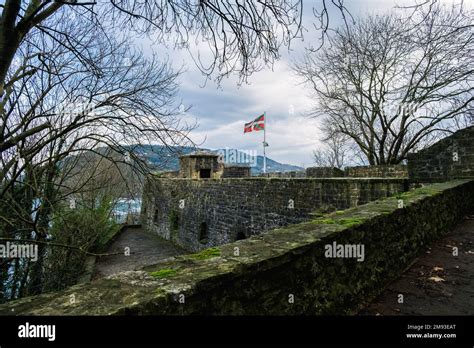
x=35, y=286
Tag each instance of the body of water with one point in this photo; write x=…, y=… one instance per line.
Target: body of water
x=127, y=210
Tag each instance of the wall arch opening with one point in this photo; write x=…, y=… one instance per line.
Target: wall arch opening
x=240, y=235
x=203, y=233
x=174, y=222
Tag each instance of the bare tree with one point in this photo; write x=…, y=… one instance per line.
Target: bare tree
x=237, y=32
x=240, y=35
x=65, y=108
x=337, y=151
x=394, y=83
x=333, y=153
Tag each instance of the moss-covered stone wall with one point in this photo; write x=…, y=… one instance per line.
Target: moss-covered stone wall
x=197, y=214
x=285, y=271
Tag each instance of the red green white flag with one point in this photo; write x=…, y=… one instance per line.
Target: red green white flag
x=256, y=125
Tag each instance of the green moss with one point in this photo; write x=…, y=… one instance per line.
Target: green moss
x=418, y=192
x=351, y=222
x=347, y=222
x=163, y=273
x=325, y=221
x=206, y=254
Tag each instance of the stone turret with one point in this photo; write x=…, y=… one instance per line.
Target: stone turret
x=201, y=165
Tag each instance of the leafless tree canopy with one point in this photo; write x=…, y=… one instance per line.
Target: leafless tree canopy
x=392, y=83
x=333, y=154
x=337, y=151
x=240, y=35
x=237, y=32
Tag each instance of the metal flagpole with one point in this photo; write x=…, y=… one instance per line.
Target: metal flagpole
x=264, y=142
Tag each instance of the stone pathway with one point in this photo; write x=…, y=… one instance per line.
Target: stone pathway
x=438, y=283
x=145, y=249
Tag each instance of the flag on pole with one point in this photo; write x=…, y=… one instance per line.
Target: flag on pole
x=256, y=125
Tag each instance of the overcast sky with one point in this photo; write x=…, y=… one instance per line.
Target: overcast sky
x=222, y=111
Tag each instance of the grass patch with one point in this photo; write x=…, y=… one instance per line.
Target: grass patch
x=206, y=254
x=163, y=273
x=418, y=192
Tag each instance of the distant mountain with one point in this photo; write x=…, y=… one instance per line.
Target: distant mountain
x=273, y=166
x=167, y=158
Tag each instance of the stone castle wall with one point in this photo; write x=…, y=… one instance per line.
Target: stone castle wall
x=289, y=174
x=324, y=172
x=197, y=214
x=451, y=157
x=236, y=172
x=380, y=171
